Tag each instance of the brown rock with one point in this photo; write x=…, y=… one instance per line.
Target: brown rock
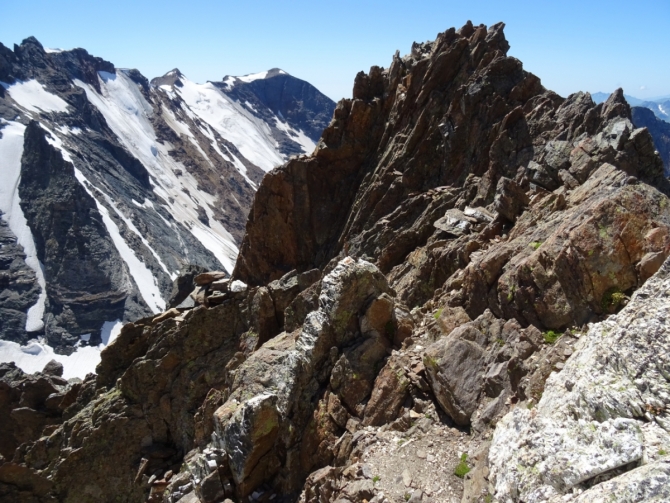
x=389, y=392
x=170, y=313
x=379, y=317
x=206, y=278
x=510, y=199
x=650, y=263
x=53, y=368
x=450, y=318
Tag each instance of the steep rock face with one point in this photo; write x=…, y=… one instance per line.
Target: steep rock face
x=87, y=281
x=18, y=284
x=29, y=403
x=659, y=129
x=301, y=105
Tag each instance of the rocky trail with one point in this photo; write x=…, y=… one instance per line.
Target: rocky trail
x=461, y=296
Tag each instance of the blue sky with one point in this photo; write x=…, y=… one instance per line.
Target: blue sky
x=571, y=45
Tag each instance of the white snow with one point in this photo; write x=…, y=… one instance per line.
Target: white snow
x=50, y=50
x=56, y=142
x=251, y=135
x=253, y=76
x=229, y=82
x=32, y=96
x=146, y=283
x=238, y=286
x=299, y=136
x=36, y=354
x=127, y=113
x=109, y=331
x=11, y=149
x=133, y=229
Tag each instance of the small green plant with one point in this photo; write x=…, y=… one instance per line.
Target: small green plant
x=375, y=479
x=401, y=441
x=662, y=452
x=535, y=245
x=438, y=313
x=488, y=499
x=500, y=341
x=550, y=336
x=612, y=300
x=462, y=468
x=530, y=405
x=407, y=496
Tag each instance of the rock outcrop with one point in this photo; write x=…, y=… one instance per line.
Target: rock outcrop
x=601, y=430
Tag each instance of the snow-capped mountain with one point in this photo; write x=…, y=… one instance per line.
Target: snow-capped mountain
x=112, y=184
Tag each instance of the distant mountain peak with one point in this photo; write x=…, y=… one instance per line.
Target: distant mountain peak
x=171, y=78
x=230, y=80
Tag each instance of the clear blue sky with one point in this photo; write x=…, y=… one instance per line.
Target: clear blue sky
x=590, y=45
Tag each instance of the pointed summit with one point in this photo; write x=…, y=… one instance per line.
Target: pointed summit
x=171, y=78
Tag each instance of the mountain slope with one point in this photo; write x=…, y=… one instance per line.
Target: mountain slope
x=143, y=179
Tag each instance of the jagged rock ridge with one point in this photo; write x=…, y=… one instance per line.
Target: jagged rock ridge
x=397, y=294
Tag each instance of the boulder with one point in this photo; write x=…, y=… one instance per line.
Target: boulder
x=53, y=368
x=455, y=370
x=205, y=278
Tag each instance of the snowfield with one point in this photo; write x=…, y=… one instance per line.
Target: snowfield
x=11, y=149
x=32, y=96
x=36, y=354
x=127, y=113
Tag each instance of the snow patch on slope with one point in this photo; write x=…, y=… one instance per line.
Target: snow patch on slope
x=253, y=76
x=298, y=136
x=11, y=150
x=145, y=280
x=133, y=229
x=232, y=121
x=36, y=354
x=32, y=96
x=127, y=113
